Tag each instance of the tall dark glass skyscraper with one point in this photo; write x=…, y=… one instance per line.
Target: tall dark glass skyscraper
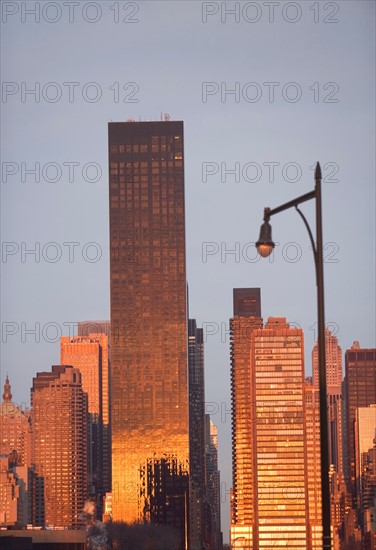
x=196, y=434
x=150, y=437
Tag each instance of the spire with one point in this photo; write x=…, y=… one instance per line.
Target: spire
x=7, y=395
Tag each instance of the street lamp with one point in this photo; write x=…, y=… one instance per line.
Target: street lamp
x=265, y=247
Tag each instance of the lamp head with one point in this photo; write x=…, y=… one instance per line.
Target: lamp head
x=265, y=243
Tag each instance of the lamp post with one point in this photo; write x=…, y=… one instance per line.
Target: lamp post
x=265, y=246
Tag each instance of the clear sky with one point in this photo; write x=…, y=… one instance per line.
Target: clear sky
x=265, y=89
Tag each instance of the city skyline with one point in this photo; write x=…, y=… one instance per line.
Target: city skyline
x=358, y=388
x=222, y=214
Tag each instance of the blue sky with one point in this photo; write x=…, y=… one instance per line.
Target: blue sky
x=317, y=57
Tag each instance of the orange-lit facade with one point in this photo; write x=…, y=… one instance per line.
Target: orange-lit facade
x=365, y=466
x=10, y=495
x=247, y=317
x=334, y=396
x=313, y=450
x=277, y=453
x=365, y=433
x=84, y=328
x=15, y=429
x=17, y=499
x=333, y=361
x=90, y=355
x=335, y=428
x=59, y=409
x=150, y=438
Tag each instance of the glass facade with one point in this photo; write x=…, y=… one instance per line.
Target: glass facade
x=247, y=317
x=280, y=485
x=273, y=503
x=196, y=434
x=148, y=316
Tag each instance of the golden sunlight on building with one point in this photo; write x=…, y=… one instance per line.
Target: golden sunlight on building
x=282, y=449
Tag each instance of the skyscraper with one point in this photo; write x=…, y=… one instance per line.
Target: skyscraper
x=247, y=317
x=365, y=434
x=213, y=489
x=276, y=450
x=313, y=453
x=365, y=461
x=278, y=446
x=59, y=413
x=333, y=354
x=90, y=355
x=84, y=328
x=196, y=434
x=360, y=391
x=334, y=397
x=150, y=440
x=333, y=361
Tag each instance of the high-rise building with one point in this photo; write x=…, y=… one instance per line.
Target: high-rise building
x=335, y=429
x=313, y=453
x=59, y=415
x=15, y=429
x=247, y=317
x=333, y=361
x=149, y=366
x=360, y=391
x=90, y=354
x=84, y=328
x=365, y=435
x=279, y=494
x=18, y=479
x=212, y=483
x=11, y=496
x=365, y=473
x=334, y=397
x=196, y=435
